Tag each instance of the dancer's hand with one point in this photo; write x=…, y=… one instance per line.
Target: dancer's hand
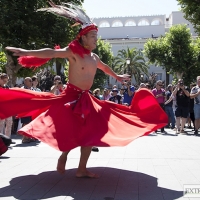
x=123, y=77
x=17, y=51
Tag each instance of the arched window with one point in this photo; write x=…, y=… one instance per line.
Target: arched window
x=156, y=22
x=143, y=22
x=130, y=23
x=117, y=24
x=104, y=24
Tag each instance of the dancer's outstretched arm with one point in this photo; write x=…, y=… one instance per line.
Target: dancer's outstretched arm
x=41, y=53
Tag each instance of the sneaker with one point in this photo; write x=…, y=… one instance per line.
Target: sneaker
x=155, y=132
x=196, y=132
x=26, y=140
x=176, y=130
x=164, y=132
x=95, y=149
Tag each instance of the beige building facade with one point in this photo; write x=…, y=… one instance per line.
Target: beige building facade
x=134, y=31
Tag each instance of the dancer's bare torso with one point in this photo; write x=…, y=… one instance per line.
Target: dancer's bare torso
x=82, y=70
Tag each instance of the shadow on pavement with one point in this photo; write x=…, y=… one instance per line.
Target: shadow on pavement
x=114, y=184
x=152, y=134
x=16, y=137
x=169, y=134
x=31, y=144
x=4, y=157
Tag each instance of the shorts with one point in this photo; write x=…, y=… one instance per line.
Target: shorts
x=197, y=111
x=26, y=120
x=182, y=111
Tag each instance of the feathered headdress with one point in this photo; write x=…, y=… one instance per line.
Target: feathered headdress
x=74, y=13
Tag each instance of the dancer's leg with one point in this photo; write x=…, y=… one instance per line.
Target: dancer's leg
x=82, y=172
x=62, y=162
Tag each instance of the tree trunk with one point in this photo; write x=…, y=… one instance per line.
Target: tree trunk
x=11, y=70
x=58, y=67
x=167, y=78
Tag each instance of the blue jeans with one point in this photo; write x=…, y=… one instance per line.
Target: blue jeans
x=197, y=111
x=170, y=114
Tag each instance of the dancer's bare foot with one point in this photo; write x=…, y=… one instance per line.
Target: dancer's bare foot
x=86, y=174
x=61, y=164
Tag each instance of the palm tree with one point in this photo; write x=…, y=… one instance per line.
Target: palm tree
x=137, y=64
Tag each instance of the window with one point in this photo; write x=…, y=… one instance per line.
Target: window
x=143, y=22
x=156, y=22
x=117, y=24
x=104, y=24
x=159, y=76
x=130, y=23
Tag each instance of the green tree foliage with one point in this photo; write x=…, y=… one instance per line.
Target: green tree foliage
x=176, y=53
x=2, y=60
x=137, y=64
x=104, y=52
x=22, y=26
x=191, y=9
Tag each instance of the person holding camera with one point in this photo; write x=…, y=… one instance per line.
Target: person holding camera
x=182, y=95
x=57, y=88
x=116, y=98
x=128, y=92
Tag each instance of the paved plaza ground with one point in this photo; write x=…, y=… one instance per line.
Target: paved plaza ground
x=154, y=167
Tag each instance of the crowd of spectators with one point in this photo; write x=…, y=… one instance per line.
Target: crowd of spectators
x=43, y=81
x=181, y=103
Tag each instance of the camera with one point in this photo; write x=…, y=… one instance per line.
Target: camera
x=181, y=83
x=59, y=82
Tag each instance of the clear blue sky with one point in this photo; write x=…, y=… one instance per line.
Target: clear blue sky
x=118, y=8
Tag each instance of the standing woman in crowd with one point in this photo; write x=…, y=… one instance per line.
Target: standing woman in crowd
x=106, y=94
x=159, y=94
x=5, y=124
x=191, y=118
x=96, y=93
x=35, y=83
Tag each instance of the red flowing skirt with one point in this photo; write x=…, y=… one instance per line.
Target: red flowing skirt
x=76, y=118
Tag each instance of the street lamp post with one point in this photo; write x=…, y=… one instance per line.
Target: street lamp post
x=141, y=78
x=128, y=61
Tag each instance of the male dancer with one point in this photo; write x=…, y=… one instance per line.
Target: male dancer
x=82, y=68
